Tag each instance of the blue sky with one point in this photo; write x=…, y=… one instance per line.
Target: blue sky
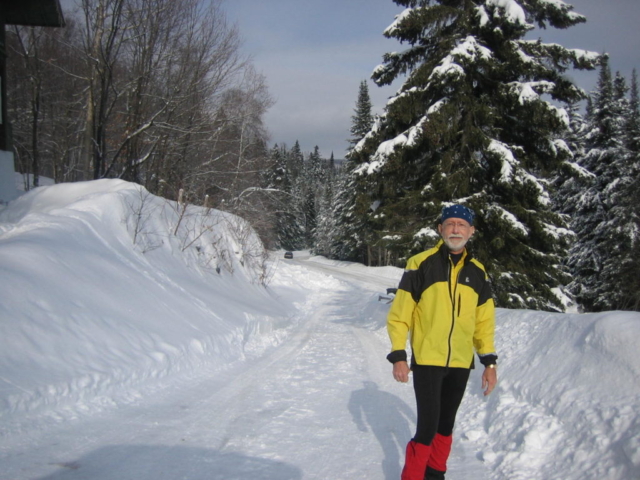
x=315, y=53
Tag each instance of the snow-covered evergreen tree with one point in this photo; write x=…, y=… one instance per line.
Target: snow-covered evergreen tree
x=632, y=125
x=572, y=178
x=362, y=120
x=631, y=293
x=348, y=239
x=326, y=224
x=323, y=181
x=604, y=220
x=317, y=169
x=295, y=160
x=472, y=124
x=310, y=214
x=308, y=191
x=332, y=166
x=343, y=245
x=287, y=225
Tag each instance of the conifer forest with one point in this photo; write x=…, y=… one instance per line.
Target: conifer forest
x=157, y=92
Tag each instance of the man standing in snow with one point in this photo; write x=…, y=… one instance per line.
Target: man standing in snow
x=444, y=300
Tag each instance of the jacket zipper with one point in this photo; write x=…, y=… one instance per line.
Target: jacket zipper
x=453, y=310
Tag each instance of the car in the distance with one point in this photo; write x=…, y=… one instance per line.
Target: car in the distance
x=288, y=254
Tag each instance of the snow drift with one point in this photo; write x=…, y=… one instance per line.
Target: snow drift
x=106, y=287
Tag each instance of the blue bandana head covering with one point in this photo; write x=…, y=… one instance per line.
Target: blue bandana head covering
x=457, y=211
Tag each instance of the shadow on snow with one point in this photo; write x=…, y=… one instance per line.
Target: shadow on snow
x=149, y=462
x=389, y=419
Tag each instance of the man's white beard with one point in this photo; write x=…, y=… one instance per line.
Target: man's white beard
x=455, y=244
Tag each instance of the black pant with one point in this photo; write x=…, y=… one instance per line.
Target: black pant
x=439, y=392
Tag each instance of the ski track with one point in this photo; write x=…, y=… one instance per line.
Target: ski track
x=322, y=399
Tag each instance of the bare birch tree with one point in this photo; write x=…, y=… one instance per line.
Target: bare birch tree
x=150, y=91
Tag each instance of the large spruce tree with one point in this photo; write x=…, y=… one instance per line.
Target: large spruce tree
x=476, y=122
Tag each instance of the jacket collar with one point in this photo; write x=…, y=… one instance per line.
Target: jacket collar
x=444, y=252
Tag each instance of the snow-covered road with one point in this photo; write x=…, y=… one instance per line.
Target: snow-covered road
x=320, y=405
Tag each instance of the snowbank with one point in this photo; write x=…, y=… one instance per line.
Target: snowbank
x=568, y=403
x=106, y=289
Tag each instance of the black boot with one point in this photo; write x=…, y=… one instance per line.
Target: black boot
x=433, y=474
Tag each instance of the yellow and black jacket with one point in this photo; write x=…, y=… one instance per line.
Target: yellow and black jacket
x=447, y=309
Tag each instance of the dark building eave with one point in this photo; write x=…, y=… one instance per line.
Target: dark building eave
x=32, y=13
